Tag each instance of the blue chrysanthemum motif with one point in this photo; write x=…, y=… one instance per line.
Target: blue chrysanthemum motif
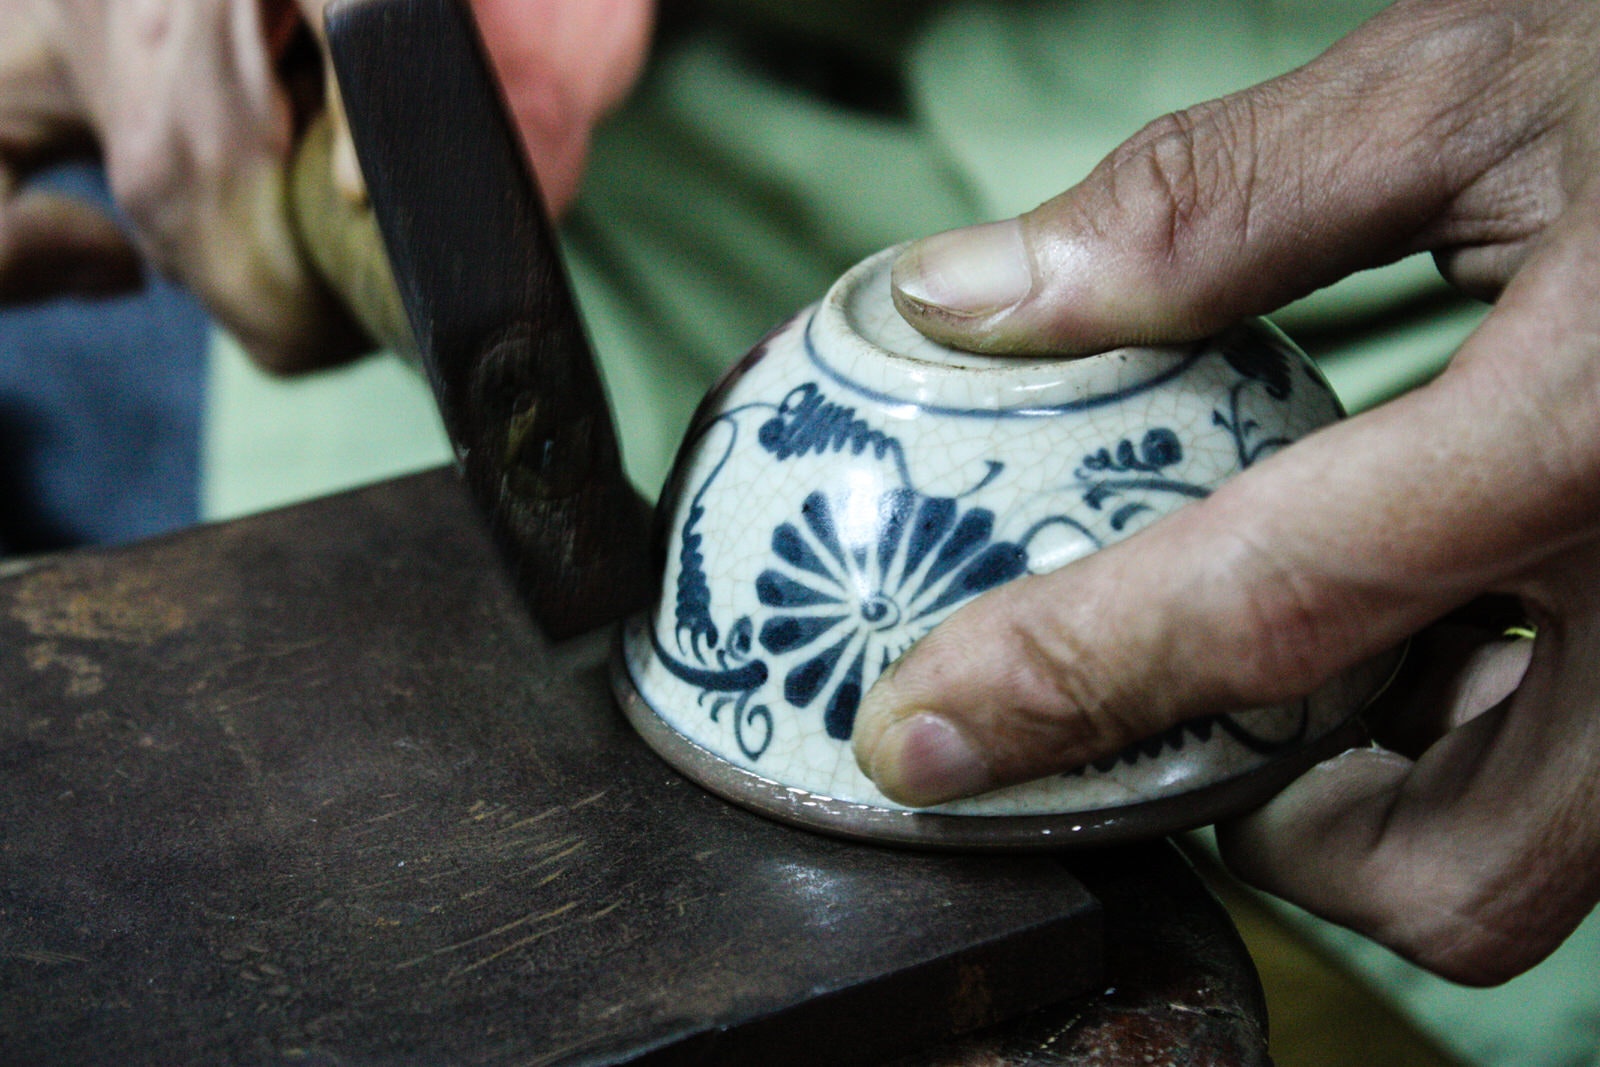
x=859, y=578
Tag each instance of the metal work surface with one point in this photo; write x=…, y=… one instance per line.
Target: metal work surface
x=310, y=788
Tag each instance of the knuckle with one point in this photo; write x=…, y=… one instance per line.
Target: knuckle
x=1189, y=179
x=1280, y=627
x=1165, y=168
x=1077, y=689
x=1072, y=706
x=1280, y=644
x=1039, y=688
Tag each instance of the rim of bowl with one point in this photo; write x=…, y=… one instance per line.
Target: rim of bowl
x=941, y=831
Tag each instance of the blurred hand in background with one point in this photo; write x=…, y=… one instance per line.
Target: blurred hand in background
x=195, y=107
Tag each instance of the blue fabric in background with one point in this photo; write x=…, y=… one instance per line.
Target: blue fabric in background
x=100, y=409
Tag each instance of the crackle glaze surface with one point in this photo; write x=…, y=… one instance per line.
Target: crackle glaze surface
x=851, y=484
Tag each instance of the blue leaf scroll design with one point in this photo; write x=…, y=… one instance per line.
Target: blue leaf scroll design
x=729, y=684
x=1108, y=474
x=693, y=608
x=1159, y=449
x=1264, y=369
x=1120, y=474
x=1249, y=444
x=1176, y=738
x=723, y=672
x=808, y=422
x=842, y=611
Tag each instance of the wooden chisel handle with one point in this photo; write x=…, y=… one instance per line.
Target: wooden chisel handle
x=341, y=239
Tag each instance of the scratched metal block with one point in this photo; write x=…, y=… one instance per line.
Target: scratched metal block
x=310, y=788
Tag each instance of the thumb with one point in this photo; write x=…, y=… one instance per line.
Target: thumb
x=1379, y=148
x=53, y=245
x=50, y=244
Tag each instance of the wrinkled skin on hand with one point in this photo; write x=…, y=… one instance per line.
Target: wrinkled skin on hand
x=183, y=101
x=1468, y=128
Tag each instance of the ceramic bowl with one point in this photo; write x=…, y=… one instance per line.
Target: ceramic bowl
x=850, y=484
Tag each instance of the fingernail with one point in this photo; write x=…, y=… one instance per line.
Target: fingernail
x=923, y=759
x=971, y=272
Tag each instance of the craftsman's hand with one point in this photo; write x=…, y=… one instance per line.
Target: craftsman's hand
x=184, y=100
x=1470, y=128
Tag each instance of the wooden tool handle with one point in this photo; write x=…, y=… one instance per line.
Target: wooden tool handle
x=341, y=238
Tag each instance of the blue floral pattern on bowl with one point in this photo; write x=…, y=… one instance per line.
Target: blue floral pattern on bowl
x=839, y=607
